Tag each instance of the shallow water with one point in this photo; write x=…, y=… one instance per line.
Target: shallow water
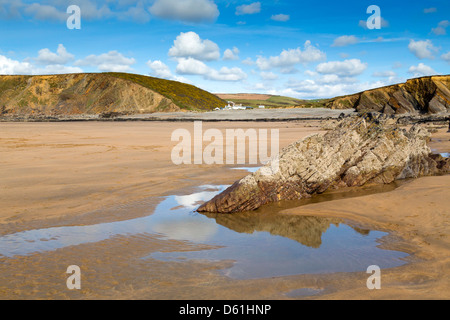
x=260, y=244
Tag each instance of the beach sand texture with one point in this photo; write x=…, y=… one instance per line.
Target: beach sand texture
x=70, y=174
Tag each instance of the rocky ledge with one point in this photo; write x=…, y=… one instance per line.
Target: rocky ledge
x=370, y=149
x=426, y=95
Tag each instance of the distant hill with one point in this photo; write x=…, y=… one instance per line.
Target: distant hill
x=270, y=101
x=123, y=93
x=99, y=93
x=426, y=95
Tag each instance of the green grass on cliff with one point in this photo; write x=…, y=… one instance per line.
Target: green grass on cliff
x=185, y=96
x=281, y=102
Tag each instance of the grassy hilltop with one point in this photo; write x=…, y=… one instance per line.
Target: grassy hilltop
x=99, y=93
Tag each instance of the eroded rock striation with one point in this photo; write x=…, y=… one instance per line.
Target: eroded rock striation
x=370, y=149
x=426, y=95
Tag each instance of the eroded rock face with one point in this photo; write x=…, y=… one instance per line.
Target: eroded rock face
x=426, y=95
x=359, y=151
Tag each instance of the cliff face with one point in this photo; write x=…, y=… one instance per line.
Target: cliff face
x=96, y=94
x=427, y=95
x=361, y=150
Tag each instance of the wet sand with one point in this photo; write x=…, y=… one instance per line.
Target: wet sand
x=60, y=174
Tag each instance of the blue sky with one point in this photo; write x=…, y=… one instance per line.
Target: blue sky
x=304, y=49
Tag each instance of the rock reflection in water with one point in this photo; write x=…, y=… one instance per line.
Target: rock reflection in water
x=267, y=243
x=305, y=230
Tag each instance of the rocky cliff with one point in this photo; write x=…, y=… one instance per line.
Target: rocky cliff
x=427, y=95
x=362, y=150
x=94, y=94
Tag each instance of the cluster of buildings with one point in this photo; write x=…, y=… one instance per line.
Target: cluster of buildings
x=233, y=106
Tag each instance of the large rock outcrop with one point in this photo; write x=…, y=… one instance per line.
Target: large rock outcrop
x=427, y=95
x=360, y=150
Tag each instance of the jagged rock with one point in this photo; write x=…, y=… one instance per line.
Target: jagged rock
x=426, y=95
x=359, y=151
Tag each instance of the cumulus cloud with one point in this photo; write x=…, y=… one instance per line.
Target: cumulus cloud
x=422, y=49
x=421, y=70
x=112, y=61
x=61, y=57
x=343, y=41
x=281, y=17
x=252, y=8
x=186, y=10
x=45, y=12
x=289, y=58
x=248, y=62
x=231, y=54
x=441, y=30
x=138, y=13
x=191, y=66
x=161, y=70
x=190, y=45
x=346, y=68
x=11, y=67
x=56, y=69
x=268, y=76
x=325, y=87
x=446, y=56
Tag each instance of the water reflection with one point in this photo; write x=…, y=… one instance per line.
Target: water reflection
x=263, y=243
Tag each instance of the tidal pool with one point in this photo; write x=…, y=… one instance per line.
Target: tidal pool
x=259, y=244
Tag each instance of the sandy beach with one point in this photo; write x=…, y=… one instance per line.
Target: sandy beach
x=92, y=173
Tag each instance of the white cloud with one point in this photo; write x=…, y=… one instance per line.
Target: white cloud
x=344, y=68
x=56, y=69
x=231, y=54
x=252, y=8
x=112, y=61
x=384, y=74
x=190, y=45
x=446, y=56
x=429, y=10
x=421, y=70
x=440, y=30
x=289, y=58
x=190, y=66
x=11, y=67
x=186, y=10
x=138, y=13
x=310, y=73
x=281, y=17
x=61, y=57
x=326, y=87
x=45, y=12
x=344, y=41
x=268, y=76
x=422, y=49
x=55, y=10
x=161, y=70
x=248, y=62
